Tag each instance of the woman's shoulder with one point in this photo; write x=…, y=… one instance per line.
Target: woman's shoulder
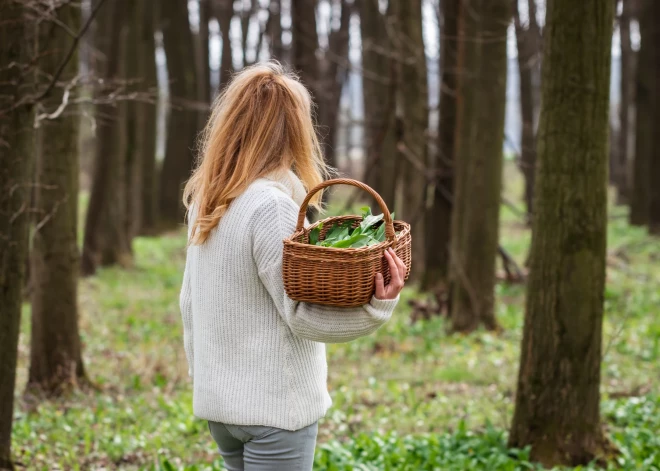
x=266, y=204
x=264, y=194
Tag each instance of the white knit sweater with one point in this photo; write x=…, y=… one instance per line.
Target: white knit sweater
x=256, y=356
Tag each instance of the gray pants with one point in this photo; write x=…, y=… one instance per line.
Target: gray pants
x=256, y=448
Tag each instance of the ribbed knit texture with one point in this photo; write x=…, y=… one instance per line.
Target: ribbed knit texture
x=256, y=356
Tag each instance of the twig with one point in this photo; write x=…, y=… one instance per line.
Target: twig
x=510, y=265
x=60, y=109
x=72, y=49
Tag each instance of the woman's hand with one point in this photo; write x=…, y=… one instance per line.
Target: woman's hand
x=398, y=274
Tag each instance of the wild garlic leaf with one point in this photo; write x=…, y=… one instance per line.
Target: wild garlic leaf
x=339, y=235
x=369, y=221
x=359, y=240
x=380, y=233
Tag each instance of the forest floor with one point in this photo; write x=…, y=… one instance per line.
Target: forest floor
x=409, y=397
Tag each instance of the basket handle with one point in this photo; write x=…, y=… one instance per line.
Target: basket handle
x=389, y=224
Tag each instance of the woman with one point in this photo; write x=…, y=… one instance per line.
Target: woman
x=257, y=358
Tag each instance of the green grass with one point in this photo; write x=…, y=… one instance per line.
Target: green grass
x=410, y=397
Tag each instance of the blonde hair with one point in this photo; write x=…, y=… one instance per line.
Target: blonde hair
x=261, y=123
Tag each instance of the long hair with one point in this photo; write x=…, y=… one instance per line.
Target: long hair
x=261, y=123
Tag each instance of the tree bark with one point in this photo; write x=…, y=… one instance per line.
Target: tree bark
x=558, y=397
x=379, y=82
x=641, y=180
x=527, y=40
x=333, y=75
x=106, y=241
x=224, y=11
x=245, y=16
x=627, y=92
x=275, y=30
x=478, y=162
x=183, y=120
x=654, y=149
x=56, y=363
x=305, y=43
x=204, y=66
x=146, y=119
x=413, y=143
x=15, y=165
x=128, y=118
x=438, y=217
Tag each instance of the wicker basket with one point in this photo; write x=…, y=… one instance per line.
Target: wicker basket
x=336, y=276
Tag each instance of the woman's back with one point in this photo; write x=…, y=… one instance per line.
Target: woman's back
x=257, y=357
x=245, y=370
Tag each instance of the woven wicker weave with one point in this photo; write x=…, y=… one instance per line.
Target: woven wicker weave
x=336, y=276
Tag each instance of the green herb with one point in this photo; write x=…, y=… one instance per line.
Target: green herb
x=371, y=231
x=314, y=234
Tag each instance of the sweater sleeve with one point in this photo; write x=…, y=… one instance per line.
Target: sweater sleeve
x=185, y=304
x=310, y=321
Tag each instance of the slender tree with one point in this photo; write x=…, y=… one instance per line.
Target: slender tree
x=438, y=216
x=105, y=241
x=183, y=120
x=413, y=142
x=128, y=109
x=528, y=41
x=478, y=161
x=204, y=66
x=15, y=159
x=55, y=348
x=558, y=397
x=654, y=148
x=146, y=117
x=379, y=82
x=305, y=43
x=275, y=29
x=641, y=177
x=247, y=10
x=333, y=74
x=620, y=170
x=223, y=11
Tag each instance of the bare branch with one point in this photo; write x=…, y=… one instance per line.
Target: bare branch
x=69, y=54
x=60, y=109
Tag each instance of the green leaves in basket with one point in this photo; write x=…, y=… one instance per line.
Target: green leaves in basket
x=314, y=234
x=342, y=235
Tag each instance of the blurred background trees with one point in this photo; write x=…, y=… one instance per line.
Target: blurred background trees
x=425, y=100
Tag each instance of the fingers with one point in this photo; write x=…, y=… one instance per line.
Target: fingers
x=402, y=266
x=394, y=269
x=380, y=286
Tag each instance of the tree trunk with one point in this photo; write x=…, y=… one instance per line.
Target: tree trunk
x=245, y=16
x=128, y=119
x=333, y=75
x=106, y=241
x=15, y=158
x=413, y=144
x=204, y=66
x=305, y=43
x=224, y=10
x=654, y=149
x=183, y=120
x=379, y=78
x=146, y=118
x=275, y=29
x=627, y=92
x=55, y=352
x=557, y=403
x=479, y=137
x=528, y=58
x=641, y=180
x=438, y=217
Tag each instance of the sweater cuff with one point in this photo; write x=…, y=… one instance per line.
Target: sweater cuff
x=385, y=307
